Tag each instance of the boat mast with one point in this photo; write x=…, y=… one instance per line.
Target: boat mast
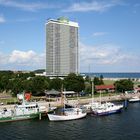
x=62, y=97
x=64, y=101
x=92, y=91
x=100, y=96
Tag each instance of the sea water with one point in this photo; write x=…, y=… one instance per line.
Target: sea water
x=122, y=126
x=115, y=75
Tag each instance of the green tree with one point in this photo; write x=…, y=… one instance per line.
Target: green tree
x=19, y=81
x=24, y=76
x=56, y=84
x=124, y=85
x=88, y=88
x=4, y=80
x=28, y=85
x=74, y=82
x=5, y=76
x=15, y=85
x=98, y=81
x=38, y=85
x=87, y=78
x=101, y=80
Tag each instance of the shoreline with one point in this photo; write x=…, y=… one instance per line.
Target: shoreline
x=56, y=103
x=116, y=79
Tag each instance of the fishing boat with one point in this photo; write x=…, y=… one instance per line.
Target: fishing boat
x=26, y=110
x=107, y=109
x=67, y=113
x=93, y=104
x=134, y=99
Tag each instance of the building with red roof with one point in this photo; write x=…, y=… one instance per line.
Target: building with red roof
x=105, y=88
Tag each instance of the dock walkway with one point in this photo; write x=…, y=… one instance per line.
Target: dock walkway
x=119, y=97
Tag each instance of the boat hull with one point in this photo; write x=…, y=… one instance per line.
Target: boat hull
x=53, y=117
x=19, y=118
x=105, y=113
x=134, y=101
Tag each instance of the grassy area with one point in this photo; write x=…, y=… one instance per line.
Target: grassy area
x=109, y=82
x=8, y=100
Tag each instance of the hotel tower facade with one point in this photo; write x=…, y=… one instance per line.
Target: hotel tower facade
x=61, y=47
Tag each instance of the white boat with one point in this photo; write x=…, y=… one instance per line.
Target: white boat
x=68, y=114
x=92, y=105
x=107, y=109
x=20, y=112
x=134, y=99
x=26, y=110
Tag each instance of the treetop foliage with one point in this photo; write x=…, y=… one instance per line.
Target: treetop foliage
x=124, y=85
x=18, y=82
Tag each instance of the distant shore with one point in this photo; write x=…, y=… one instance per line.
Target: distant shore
x=119, y=75
x=116, y=79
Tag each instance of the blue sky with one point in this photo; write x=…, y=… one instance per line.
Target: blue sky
x=109, y=33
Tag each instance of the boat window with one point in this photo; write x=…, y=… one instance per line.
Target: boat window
x=5, y=109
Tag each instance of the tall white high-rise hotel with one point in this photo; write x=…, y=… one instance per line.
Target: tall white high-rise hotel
x=61, y=47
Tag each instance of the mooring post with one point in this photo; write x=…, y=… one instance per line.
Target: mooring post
x=125, y=104
x=39, y=116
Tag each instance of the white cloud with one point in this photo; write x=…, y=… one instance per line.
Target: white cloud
x=105, y=57
x=2, y=19
x=21, y=56
x=22, y=60
x=105, y=54
x=97, y=6
x=29, y=6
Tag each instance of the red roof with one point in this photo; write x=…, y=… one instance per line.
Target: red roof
x=103, y=87
x=137, y=88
